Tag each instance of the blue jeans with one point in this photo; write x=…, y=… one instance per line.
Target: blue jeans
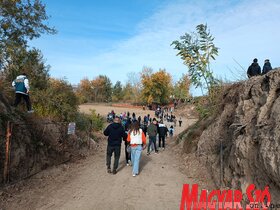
x=135, y=158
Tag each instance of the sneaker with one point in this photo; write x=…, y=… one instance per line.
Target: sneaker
x=109, y=171
x=156, y=152
x=129, y=162
x=133, y=175
x=163, y=148
x=30, y=111
x=114, y=172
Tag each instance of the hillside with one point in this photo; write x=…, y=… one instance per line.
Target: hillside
x=35, y=143
x=241, y=145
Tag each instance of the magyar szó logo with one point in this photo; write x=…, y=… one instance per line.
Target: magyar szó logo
x=253, y=199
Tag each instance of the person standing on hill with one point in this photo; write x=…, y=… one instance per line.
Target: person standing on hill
x=115, y=133
x=137, y=140
x=21, y=85
x=254, y=69
x=266, y=67
x=152, y=132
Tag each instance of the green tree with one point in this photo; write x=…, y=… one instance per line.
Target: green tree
x=197, y=50
x=102, y=89
x=32, y=63
x=20, y=21
x=106, y=93
x=181, y=88
x=117, y=92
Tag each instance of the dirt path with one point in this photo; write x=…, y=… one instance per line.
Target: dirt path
x=86, y=185
x=103, y=110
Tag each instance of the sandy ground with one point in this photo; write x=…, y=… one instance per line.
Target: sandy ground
x=85, y=184
x=103, y=110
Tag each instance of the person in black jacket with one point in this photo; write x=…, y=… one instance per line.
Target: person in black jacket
x=115, y=133
x=126, y=143
x=266, y=67
x=254, y=69
x=162, y=133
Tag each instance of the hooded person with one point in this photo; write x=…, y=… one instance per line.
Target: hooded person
x=116, y=134
x=266, y=67
x=21, y=85
x=254, y=69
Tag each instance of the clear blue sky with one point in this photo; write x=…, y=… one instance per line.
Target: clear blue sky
x=117, y=37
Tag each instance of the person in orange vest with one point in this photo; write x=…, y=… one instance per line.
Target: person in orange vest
x=137, y=140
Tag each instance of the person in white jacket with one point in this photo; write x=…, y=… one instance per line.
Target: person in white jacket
x=137, y=140
x=21, y=85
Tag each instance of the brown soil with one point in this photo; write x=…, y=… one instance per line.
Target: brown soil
x=84, y=184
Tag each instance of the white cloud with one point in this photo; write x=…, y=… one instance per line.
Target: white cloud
x=243, y=30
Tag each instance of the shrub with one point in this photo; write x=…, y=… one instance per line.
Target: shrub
x=97, y=121
x=83, y=122
x=89, y=122
x=58, y=101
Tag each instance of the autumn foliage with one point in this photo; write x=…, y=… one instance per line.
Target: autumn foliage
x=157, y=87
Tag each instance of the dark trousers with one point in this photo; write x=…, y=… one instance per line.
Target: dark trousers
x=161, y=138
x=117, y=153
x=152, y=140
x=25, y=98
x=127, y=154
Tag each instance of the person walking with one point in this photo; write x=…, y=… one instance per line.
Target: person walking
x=139, y=120
x=175, y=121
x=152, y=132
x=21, y=85
x=180, y=122
x=144, y=127
x=137, y=140
x=254, y=69
x=171, y=131
x=115, y=133
x=127, y=144
x=266, y=67
x=162, y=133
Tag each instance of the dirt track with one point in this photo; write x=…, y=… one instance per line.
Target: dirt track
x=86, y=185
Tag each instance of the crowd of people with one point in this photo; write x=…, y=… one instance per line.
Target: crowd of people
x=134, y=132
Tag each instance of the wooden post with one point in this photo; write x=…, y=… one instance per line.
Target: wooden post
x=7, y=154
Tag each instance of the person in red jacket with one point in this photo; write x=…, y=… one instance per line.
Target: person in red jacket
x=137, y=140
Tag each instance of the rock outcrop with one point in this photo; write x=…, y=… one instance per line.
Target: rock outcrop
x=242, y=145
